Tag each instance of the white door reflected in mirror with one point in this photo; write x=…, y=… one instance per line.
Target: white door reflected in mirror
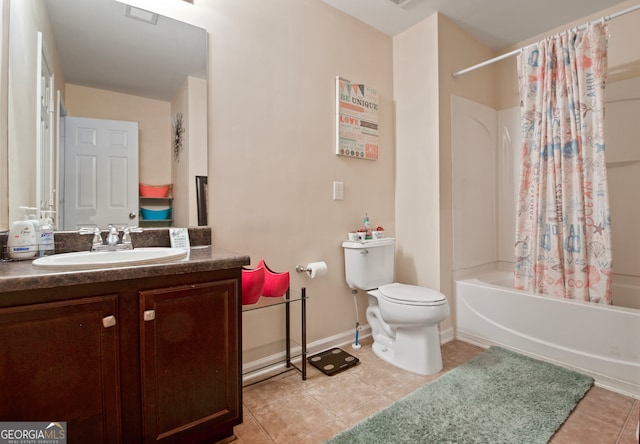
x=101, y=173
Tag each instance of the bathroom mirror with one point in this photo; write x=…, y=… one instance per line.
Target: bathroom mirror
x=98, y=46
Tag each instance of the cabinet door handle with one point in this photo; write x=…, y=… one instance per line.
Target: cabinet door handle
x=149, y=315
x=109, y=321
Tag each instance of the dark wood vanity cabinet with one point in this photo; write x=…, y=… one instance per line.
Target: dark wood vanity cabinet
x=143, y=360
x=59, y=362
x=186, y=391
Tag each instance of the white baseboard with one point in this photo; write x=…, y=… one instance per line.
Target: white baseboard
x=274, y=364
x=447, y=335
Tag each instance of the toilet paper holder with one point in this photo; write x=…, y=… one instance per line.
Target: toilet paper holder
x=303, y=269
x=313, y=269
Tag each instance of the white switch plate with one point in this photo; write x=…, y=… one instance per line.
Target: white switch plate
x=338, y=190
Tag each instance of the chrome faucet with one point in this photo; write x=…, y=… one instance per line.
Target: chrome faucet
x=113, y=237
x=113, y=241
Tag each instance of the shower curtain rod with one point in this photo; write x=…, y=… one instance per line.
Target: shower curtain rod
x=516, y=51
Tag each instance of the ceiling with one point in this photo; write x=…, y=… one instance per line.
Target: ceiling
x=496, y=23
x=100, y=47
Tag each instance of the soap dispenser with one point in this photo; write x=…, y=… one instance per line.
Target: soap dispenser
x=22, y=242
x=32, y=216
x=46, y=244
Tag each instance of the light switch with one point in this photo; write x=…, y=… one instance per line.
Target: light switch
x=338, y=190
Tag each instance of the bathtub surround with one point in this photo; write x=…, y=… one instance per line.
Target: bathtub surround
x=490, y=163
x=486, y=238
x=490, y=312
x=498, y=396
x=563, y=239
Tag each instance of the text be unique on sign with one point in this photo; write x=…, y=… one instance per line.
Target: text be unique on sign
x=356, y=120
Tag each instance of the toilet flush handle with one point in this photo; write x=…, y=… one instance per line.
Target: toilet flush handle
x=364, y=251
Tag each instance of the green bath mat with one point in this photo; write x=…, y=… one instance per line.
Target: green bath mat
x=497, y=397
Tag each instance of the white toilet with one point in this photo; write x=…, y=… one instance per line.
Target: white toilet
x=403, y=318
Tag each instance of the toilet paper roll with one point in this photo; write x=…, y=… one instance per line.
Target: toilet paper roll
x=316, y=269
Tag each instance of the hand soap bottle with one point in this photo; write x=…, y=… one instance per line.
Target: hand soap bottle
x=46, y=244
x=22, y=242
x=32, y=216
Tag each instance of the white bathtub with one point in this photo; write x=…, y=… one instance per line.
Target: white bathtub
x=601, y=341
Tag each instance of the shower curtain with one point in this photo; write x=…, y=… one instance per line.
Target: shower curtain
x=563, y=233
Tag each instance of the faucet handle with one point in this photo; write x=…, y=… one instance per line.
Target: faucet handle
x=97, y=235
x=126, y=237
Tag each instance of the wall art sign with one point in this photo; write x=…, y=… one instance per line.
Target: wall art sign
x=356, y=120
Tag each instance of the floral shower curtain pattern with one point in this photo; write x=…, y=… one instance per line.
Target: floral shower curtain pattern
x=563, y=234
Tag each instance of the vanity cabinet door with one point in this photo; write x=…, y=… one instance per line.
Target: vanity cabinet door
x=190, y=362
x=59, y=362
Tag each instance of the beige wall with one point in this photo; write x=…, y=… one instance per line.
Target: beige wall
x=425, y=56
x=271, y=147
x=4, y=71
x=22, y=102
x=27, y=18
x=415, y=75
x=272, y=158
x=198, y=140
x=191, y=101
x=180, y=165
x=154, y=123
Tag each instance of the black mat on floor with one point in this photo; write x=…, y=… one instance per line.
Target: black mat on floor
x=333, y=361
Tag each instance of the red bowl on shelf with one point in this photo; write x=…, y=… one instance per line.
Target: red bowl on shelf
x=275, y=284
x=252, y=284
x=157, y=191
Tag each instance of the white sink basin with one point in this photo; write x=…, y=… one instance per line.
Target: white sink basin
x=85, y=260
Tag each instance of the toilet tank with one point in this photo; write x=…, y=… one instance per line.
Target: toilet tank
x=369, y=264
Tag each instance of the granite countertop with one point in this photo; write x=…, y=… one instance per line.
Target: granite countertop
x=22, y=275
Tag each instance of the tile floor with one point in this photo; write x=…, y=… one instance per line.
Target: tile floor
x=286, y=409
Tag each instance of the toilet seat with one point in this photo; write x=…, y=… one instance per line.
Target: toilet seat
x=411, y=295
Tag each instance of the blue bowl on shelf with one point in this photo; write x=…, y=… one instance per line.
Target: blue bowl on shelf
x=149, y=214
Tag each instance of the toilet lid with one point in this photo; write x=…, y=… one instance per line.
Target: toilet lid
x=412, y=294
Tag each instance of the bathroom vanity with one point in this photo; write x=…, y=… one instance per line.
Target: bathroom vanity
x=149, y=353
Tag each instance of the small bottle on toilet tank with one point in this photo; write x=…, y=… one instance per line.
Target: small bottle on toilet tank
x=367, y=226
